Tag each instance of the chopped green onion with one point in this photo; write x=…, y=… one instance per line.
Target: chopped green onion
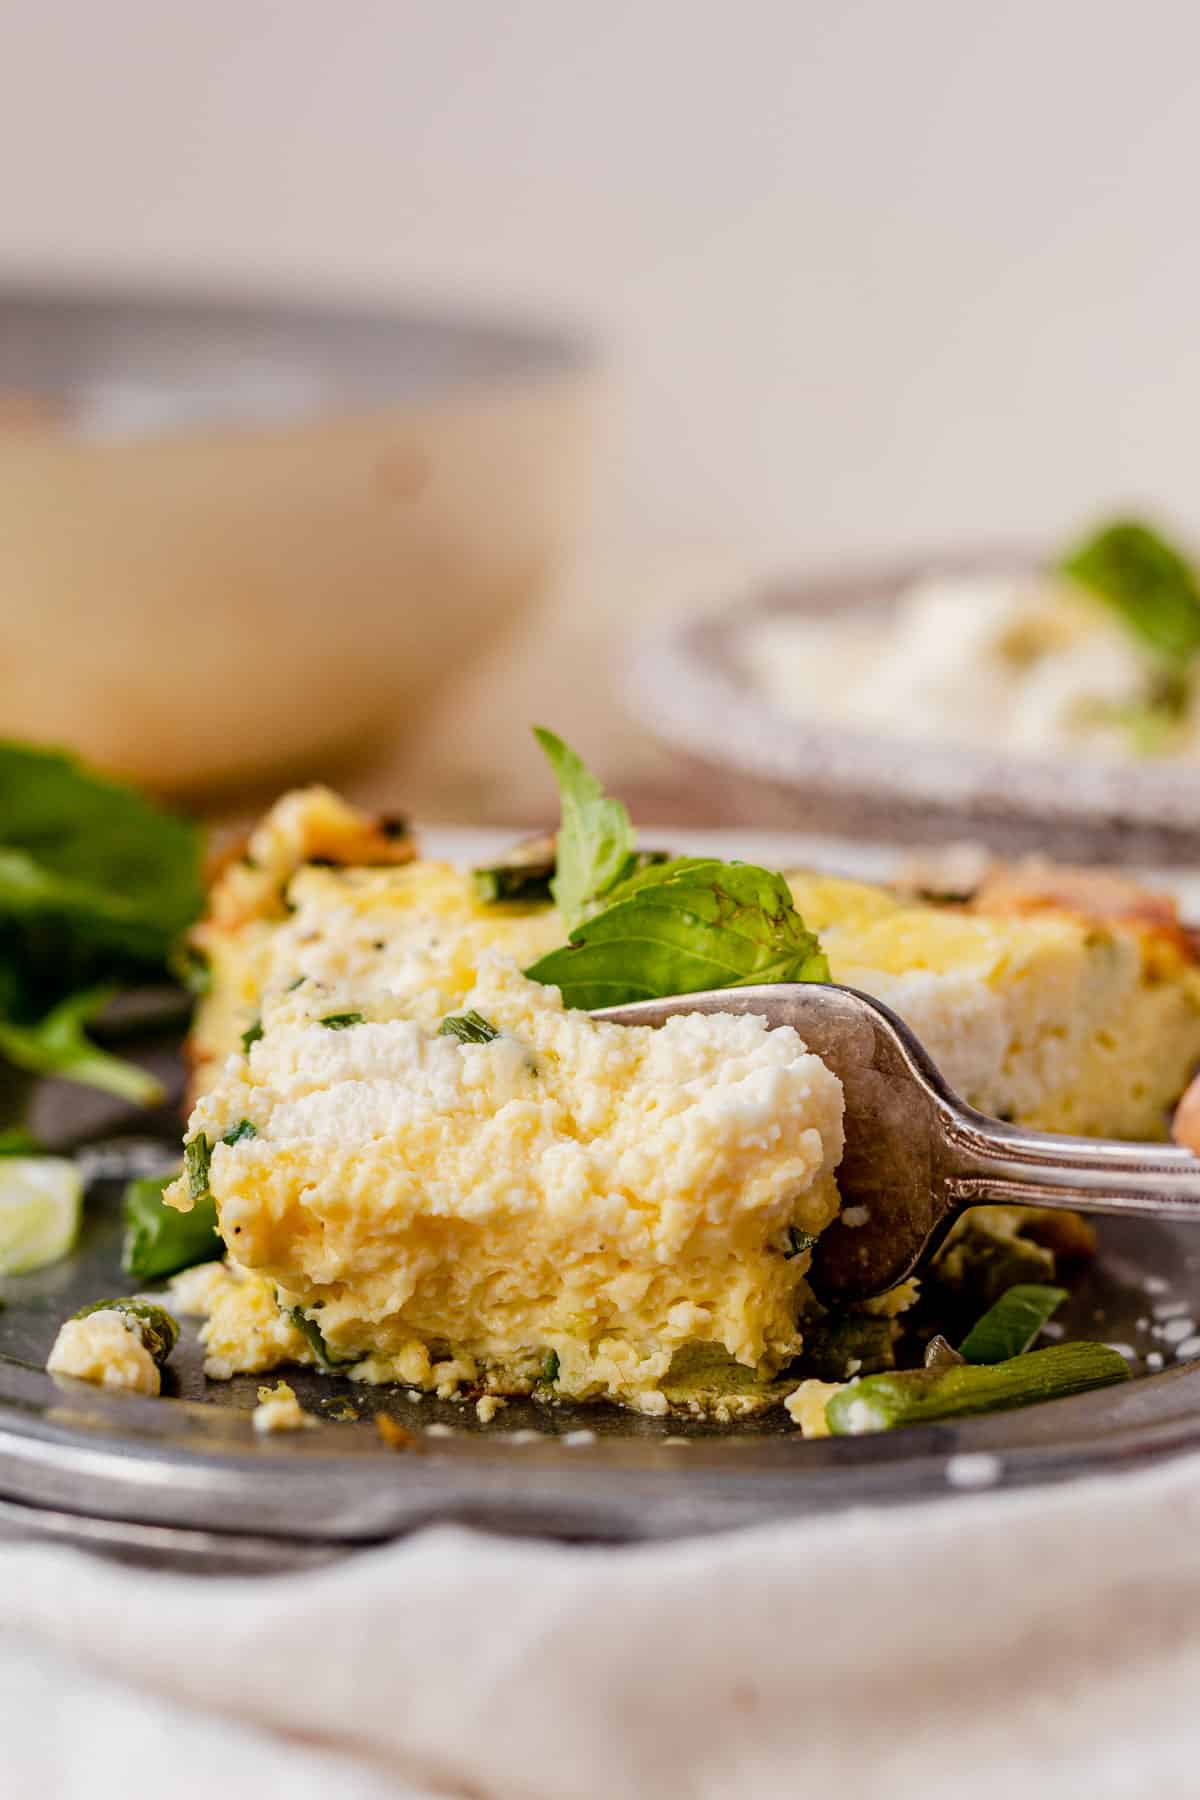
x=197, y=1155
x=251, y=1035
x=312, y=1333
x=468, y=1028
x=1010, y=1326
x=342, y=1021
x=920, y=1396
x=245, y=1128
x=550, y=1366
x=524, y=873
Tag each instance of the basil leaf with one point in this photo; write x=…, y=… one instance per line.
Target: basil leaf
x=468, y=1028
x=596, y=843
x=682, y=927
x=58, y=1045
x=160, y=1241
x=1148, y=582
x=92, y=864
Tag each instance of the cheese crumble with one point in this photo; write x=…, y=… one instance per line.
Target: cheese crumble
x=105, y=1349
x=278, y=1409
x=572, y=1196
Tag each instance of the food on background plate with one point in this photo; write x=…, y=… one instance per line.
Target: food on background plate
x=431, y=1166
x=1096, y=656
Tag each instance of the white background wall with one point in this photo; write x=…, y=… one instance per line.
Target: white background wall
x=873, y=270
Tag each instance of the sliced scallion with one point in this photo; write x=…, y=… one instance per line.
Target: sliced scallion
x=1008, y=1328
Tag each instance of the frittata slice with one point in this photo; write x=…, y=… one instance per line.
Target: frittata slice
x=583, y=1208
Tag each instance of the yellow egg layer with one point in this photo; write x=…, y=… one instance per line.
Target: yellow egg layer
x=1051, y=1020
x=598, y=1193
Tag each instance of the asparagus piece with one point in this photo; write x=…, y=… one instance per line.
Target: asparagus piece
x=524, y=873
x=917, y=1396
x=1008, y=1328
x=160, y=1241
x=154, y=1325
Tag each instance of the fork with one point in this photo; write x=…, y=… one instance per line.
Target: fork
x=916, y=1155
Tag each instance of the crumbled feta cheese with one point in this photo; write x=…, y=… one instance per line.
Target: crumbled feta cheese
x=278, y=1409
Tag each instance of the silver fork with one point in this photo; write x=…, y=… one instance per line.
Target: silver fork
x=916, y=1155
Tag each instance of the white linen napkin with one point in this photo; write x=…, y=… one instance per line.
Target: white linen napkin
x=1045, y=1642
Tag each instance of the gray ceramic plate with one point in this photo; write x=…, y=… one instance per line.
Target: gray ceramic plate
x=692, y=680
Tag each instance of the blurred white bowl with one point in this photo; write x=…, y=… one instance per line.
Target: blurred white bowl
x=235, y=536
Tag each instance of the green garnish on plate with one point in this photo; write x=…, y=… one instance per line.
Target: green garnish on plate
x=159, y=1241
x=96, y=886
x=921, y=1396
x=468, y=1028
x=153, y=1325
x=1010, y=1327
x=1148, y=582
x=314, y=1337
x=640, y=930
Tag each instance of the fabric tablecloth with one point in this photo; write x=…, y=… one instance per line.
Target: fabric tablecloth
x=1043, y=1642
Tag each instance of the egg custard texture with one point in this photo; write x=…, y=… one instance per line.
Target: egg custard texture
x=577, y=1206
x=568, y=1203
x=1054, y=1018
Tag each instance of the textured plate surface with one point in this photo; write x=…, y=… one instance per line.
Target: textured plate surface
x=692, y=682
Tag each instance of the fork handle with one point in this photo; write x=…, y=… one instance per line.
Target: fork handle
x=990, y=1163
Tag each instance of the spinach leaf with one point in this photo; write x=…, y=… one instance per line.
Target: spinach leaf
x=595, y=840
x=58, y=1045
x=96, y=885
x=160, y=1241
x=92, y=864
x=681, y=927
x=1148, y=582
